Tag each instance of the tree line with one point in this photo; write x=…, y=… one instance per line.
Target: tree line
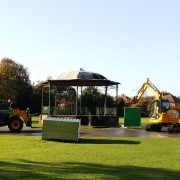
x=15, y=85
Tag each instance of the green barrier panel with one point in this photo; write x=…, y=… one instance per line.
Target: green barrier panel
x=132, y=117
x=61, y=129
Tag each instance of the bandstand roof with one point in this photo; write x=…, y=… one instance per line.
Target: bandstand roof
x=81, y=77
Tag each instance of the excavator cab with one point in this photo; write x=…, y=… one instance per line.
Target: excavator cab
x=158, y=107
x=165, y=105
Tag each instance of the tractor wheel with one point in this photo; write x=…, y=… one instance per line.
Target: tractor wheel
x=15, y=125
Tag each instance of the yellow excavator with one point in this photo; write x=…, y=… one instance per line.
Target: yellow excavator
x=162, y=114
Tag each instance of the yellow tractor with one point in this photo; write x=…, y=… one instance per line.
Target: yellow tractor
x=162, y=114
x=14, y=118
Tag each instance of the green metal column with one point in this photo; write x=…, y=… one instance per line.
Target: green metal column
x=49, y=98
x=76, y=100
x=105, y=102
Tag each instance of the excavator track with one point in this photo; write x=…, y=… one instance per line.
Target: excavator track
x=173, y=128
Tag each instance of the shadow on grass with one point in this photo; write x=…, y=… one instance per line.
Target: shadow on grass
x=24, y=169
x=31, y=132
x=96, y=141
x=107, y=141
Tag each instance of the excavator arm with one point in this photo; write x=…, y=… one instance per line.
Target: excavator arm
x=147, y=85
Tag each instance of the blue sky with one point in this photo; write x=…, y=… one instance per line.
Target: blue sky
x=125, y=40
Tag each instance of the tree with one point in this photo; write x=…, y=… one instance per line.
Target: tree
x=144, y=103
x=120, y=106
x=92, y=98
x=15, y=84
x=36, y=98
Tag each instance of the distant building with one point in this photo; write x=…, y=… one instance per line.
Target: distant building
x=175, y=101
x=170, y=97
x=125, y=98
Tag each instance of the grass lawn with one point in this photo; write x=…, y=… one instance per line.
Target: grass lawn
x=29, y=157
x=35, y=121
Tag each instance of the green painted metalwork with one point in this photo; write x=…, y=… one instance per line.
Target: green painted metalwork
x=132, y=117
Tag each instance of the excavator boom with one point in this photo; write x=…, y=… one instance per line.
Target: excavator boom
x=147, y=85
